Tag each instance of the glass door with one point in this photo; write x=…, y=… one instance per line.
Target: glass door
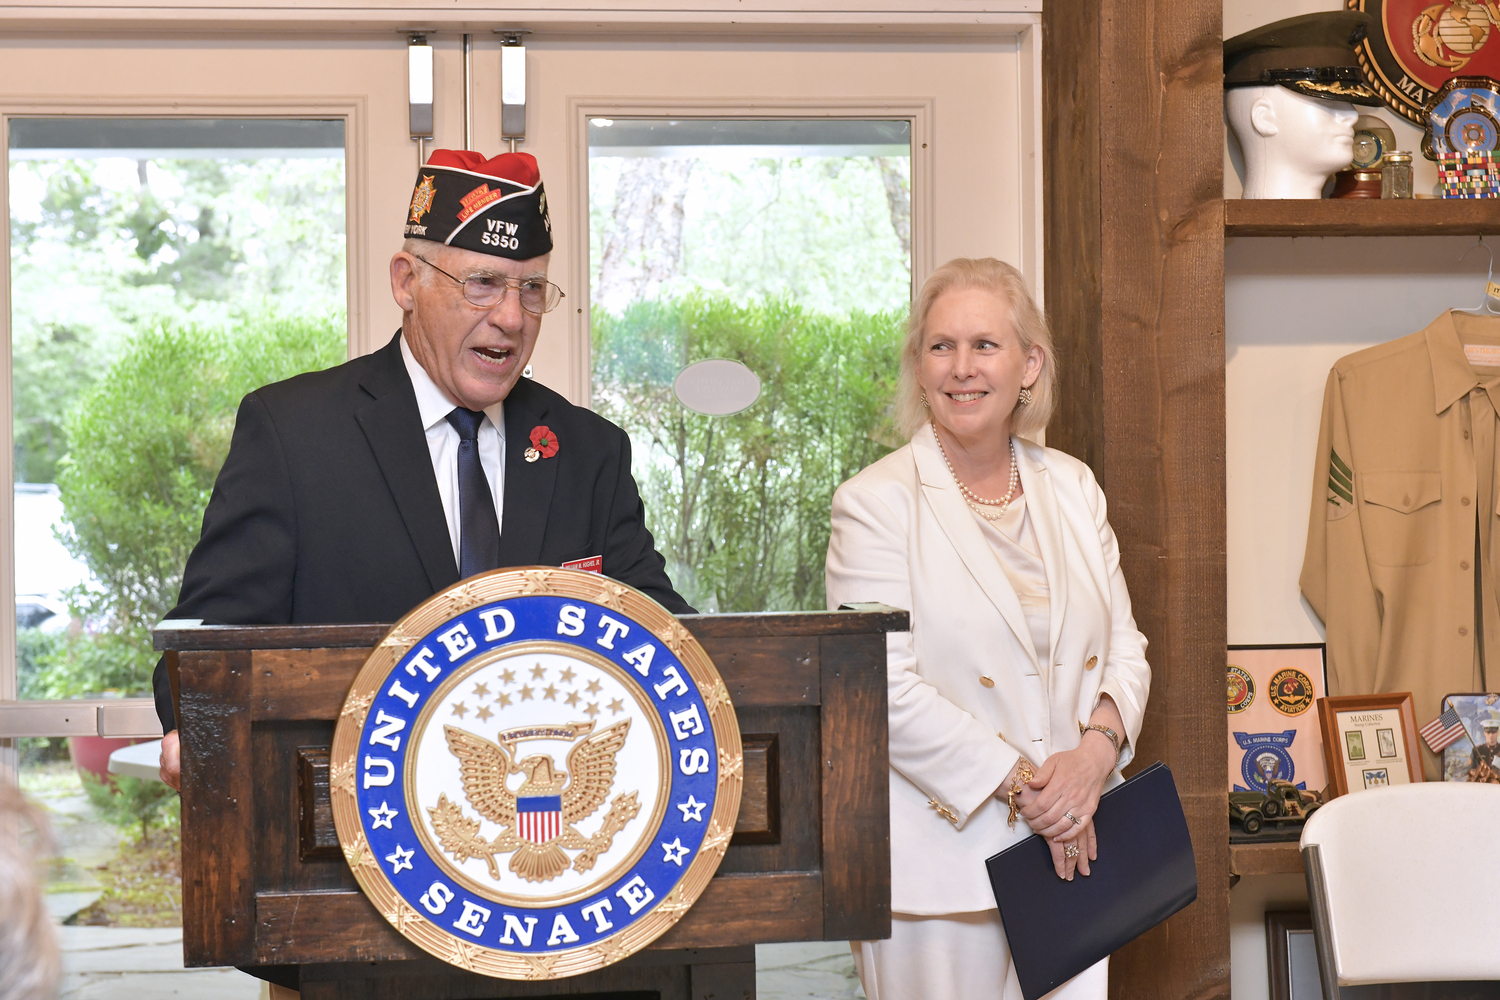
x=197, y=216
x=184, y=226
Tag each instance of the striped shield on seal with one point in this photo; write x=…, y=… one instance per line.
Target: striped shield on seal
x=539, y=817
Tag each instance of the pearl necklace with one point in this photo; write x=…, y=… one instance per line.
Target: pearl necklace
x=978, y=503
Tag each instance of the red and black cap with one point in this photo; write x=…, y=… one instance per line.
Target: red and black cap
x=494, y=206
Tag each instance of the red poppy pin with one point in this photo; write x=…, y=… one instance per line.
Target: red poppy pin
x=543, y=443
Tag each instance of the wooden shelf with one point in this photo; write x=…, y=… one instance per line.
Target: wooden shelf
x=1283, y=858
x=1361, y=217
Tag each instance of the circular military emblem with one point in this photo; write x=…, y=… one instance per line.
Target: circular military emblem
x=1415, y=47
x=1291, y=691
x=1263, y=762
x=536, y=773
x=1241, y=689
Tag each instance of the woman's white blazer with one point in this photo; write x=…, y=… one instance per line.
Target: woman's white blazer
x=968, y=694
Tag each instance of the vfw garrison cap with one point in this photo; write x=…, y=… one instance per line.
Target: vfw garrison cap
x=495, y=206
x=1312, y=54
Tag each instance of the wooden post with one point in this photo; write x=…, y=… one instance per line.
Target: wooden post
x=1133, y=149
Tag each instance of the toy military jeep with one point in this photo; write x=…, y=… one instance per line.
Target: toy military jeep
x=1281, y=803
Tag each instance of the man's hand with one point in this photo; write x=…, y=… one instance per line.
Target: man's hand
x=171, y=760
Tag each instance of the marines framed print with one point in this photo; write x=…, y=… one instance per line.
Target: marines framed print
x=1273, y=729
x=535, y=773
x=1369, y=741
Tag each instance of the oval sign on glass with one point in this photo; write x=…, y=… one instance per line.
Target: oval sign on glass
x=716, y=387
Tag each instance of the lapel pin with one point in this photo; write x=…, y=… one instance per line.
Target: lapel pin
x=543, y=443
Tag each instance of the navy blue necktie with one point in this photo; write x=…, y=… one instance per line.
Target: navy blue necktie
x=478, y=528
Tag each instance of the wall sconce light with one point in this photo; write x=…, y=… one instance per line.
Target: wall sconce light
x=512, y=88
x=419, y=91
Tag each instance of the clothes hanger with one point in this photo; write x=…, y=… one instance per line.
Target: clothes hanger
x=1490, y=289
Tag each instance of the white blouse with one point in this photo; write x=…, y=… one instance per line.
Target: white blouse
x=1013, y=540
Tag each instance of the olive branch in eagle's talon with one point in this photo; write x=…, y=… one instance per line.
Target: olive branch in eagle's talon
x=621, y=811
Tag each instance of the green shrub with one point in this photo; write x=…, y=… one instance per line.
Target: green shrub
x=145, y=445
x=739, y=504
x=127, y=803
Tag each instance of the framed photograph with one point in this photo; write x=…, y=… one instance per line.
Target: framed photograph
x=1273, y=731
x=1475, y=754
x=1292, y=956
x=1357, y=728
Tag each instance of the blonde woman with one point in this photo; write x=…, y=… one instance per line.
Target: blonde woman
x=1018, y=694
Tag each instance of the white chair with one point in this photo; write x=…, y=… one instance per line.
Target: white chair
x=1392, y=873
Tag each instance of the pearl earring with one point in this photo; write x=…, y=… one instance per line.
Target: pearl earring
x=1025, y=397
x=924, y=401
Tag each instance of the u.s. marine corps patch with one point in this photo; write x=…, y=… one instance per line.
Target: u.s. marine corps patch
x=541, y=775
x=1340, y=487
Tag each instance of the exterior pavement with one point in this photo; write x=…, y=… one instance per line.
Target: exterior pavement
x=106, y=963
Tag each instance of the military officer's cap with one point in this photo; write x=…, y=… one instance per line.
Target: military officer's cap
x=1490, y=725
x=494, y=206
x=1312, y=54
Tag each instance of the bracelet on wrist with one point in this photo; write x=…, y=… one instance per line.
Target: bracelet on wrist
x=1114, y=740
x=1023, y=773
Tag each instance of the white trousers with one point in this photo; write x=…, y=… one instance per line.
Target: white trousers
x=958, y=956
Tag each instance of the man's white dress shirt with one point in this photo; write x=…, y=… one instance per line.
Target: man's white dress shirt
x=442, y=441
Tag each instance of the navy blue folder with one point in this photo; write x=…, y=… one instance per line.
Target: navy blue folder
x=1145, y=873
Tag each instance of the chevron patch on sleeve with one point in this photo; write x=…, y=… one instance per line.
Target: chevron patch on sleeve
x=1340, y=487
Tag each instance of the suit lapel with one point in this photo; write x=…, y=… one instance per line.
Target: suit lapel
x=528, y=485
x=964, y=534
x=1046, y=521
x=393, y=426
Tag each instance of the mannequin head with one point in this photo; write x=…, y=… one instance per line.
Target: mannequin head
x=1291, y=142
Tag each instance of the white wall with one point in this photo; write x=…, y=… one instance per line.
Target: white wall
x=1292, y=308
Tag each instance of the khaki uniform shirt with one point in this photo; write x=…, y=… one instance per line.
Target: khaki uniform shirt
x=1398, y=563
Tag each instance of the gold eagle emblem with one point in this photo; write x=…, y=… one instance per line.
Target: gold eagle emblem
x=537, y=819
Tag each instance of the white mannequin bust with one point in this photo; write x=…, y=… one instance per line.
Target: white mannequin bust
x=1291, y=142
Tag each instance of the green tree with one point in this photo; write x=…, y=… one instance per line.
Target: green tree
x=128, y=802
x=739, y=504
x=145, y=445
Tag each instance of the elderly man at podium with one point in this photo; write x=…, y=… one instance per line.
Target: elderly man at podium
x=353, y=494
x=1019, y=691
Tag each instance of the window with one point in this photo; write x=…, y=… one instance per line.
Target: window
x=160, y=268
x=782, y=245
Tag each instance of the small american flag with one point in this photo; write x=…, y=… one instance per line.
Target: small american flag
x=539, y=817
x=1443, y=730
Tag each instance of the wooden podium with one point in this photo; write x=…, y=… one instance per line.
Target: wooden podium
x=266, y=888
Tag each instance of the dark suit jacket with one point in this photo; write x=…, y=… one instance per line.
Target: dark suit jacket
x=327, y=510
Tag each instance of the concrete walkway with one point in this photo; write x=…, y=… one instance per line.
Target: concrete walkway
x=108, y=963
x=807, y=969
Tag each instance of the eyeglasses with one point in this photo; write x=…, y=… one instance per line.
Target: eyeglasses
x=538, y=295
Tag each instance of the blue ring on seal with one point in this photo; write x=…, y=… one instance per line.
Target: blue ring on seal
x=693, y=767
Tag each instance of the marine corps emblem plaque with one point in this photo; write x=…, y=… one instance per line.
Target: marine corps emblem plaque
x=535, y=773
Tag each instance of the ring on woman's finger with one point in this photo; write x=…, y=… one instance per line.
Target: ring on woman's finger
x=1071, y=851
x=1075, y=819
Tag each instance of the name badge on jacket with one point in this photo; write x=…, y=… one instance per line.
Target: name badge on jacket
x=589, y=564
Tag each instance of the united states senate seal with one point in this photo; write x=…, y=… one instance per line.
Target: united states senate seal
x=535, y=773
